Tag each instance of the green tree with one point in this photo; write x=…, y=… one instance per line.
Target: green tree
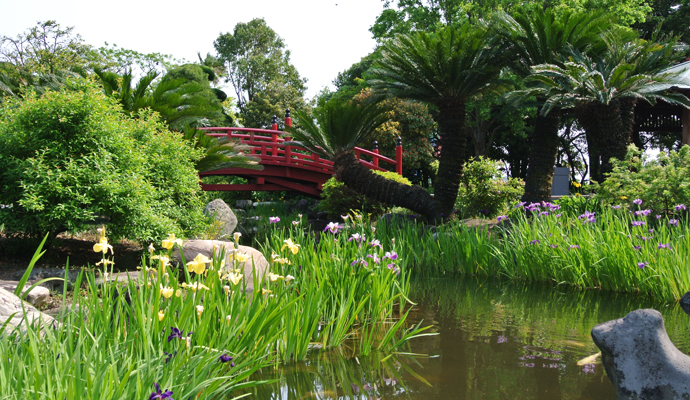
x=120, y=61
x=338, y=127
x=603, y=89
x=257, y=62
x=671, y=16
x=443, y=69
x=71, y=156
x=539, y=36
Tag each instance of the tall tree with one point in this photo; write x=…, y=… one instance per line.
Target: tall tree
x=603, y=90
x=443, y=69
x=539, y=36
x=257, y=61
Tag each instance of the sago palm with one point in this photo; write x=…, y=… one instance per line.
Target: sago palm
x=538, y=36
x=603, y=89
x=443, y=69
x=334, y=130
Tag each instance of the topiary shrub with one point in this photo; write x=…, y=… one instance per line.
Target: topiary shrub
x=71, y=157
x=661, y=184
x=338, y=199
x=483, y=191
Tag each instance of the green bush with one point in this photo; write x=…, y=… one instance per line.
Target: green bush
x=661, y=184
x=338, y=199
x=69, y=157
x=483, y=190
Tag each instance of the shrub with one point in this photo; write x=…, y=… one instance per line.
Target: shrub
x=661, y=184
x=338, y=199
x=69, y=157
x=483, y=190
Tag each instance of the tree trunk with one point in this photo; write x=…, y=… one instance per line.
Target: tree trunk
x=359, y=178
x=542, y=158
x=451, y=124
x=610, y=127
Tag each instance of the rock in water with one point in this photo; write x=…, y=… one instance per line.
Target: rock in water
x=192, y=248
x=11, y=310
x=223, y=215
x=640, y=359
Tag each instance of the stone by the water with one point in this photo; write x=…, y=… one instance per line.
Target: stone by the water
x=256, y=260
x=37, y=297
x=223, y=214
x=640, y=359
x=18, y=313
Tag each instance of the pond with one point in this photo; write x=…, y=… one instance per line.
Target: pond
x=496, y=340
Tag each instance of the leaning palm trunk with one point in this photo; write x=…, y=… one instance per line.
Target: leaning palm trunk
x=610, y=126
x=542, y=158
x=451, y=123
x=359, y=178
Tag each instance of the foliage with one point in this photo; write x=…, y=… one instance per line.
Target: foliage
x=273, y=100
x=256, y=59
x=120, y=61
x=483, y=190
x=72, y=156
x=340, y=125
x=403, y=16
x=670, y=16
x=338, y=199
x=661, y=184
x=220, y=152
x=46, y=49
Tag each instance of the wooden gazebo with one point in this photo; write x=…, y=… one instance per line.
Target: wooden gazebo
x=664, y=117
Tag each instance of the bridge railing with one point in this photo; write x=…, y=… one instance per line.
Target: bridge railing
x=269, y=146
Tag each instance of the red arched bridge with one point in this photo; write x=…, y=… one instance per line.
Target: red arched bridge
x=288, y=168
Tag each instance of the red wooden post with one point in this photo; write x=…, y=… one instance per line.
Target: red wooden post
x=288, y=120
x=398, y=156
x=376, y=150
x=274, y=123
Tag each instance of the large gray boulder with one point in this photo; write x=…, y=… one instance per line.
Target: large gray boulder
x=640, y=359
x=39, y=274
x=255, y=260
x=12, y=313
x=37, y=297
x=222, y=213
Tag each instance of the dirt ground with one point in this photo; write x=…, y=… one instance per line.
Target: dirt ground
x=78, y=251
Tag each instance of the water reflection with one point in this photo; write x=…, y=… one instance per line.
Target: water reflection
x=496, y=340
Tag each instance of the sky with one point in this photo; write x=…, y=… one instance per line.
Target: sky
x=324, y=36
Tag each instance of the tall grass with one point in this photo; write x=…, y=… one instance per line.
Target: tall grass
x=204, y=338
x=608, y=252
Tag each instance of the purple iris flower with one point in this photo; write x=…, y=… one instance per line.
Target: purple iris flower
x=680, y=207
x=375, y=243
x=225, y=358
x=617, y=207
x=641, y=265
x=637, y=247
x=332, y=227
x=558, y=216
x=643, y=212
x=673, y=222
x=393, y=268
x=573, y=246
x=553, y=246
x=176, y=334
x=663, y=246
x=501, y=218
x=274, y=220
x=391, y=255
x=543, y=213
x=374, y=257
x=638, y=223
x=535, y=241
x=359, y=261
x=637, y=202
x=161, y=395
x=169, y=356
x=533, y=207
x=588, y=217
x=356, y=237
x=520, y=204
x=657, y=216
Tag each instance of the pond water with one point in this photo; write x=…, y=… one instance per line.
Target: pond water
x=496, y=340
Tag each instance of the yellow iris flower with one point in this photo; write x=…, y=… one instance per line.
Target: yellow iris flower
x=274, y=277
x=170, y=241
x=166, y=292
x=241, y=257
x=234, y=278
x=102, y=246
x=195, y=286
x=293, y=247
x=198, y=265
x=161, y=315
x=199, y=310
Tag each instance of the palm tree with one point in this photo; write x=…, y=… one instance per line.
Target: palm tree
x=443, y=69
x=220, y=152
x=603, y=90
x=538, y=36
x=341, y=125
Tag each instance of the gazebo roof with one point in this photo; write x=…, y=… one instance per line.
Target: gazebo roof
x=682, y=80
